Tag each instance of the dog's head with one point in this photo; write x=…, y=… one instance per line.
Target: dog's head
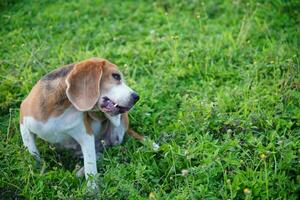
x=97, y=83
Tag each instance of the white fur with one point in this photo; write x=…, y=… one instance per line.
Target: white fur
x=56, y=129
x=120, y=94
x=28, y=140
x=115, y=120
x=62, y=129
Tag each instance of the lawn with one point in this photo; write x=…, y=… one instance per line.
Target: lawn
x=220, y=93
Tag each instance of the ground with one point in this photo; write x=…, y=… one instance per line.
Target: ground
x=220, y=93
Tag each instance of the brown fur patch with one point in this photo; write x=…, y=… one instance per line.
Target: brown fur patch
x=107, y=81
x=46, y=99
x=83, y=84
x=97, y=116
x=58, y=73
x=135, y=135
x=88, y=123
x=125, y=120
x=132, y=133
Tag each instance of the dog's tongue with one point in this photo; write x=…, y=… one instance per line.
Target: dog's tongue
x=108, y=105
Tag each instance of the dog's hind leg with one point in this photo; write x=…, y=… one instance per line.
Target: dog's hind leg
x=29, y=141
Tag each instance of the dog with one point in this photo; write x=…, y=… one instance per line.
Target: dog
x=76, y=106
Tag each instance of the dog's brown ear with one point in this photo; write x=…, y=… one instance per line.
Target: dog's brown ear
x=83, y=84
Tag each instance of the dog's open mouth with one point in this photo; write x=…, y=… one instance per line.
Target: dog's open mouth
x=109, y=106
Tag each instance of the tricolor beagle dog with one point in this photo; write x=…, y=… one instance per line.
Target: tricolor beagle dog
x=79, y=105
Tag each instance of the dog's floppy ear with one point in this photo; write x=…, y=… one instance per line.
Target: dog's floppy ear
x=83, y=84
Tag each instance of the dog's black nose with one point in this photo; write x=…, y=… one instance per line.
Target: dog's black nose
x=135, y=97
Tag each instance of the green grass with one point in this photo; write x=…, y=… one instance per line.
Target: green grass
x=220, y=92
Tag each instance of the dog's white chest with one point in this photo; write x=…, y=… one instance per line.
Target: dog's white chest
x=57, y=129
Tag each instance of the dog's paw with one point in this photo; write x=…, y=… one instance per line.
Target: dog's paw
x=92, y=186
x=80, y=172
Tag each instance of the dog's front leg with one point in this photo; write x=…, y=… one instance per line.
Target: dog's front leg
x=87, y=143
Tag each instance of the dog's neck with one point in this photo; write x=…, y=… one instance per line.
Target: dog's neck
x=97, y=116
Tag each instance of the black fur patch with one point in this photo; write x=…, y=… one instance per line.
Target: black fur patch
x=61, y=72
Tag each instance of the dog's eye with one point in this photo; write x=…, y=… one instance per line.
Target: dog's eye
x=116, y=76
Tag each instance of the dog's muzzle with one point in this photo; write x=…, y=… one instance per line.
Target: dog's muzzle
x=108, y=106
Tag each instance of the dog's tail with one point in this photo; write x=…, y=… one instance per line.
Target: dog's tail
x=135, y=135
